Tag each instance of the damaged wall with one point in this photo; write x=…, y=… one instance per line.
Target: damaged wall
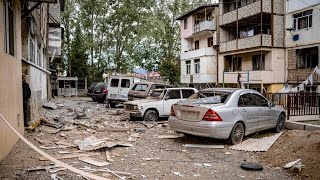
x=11, y=86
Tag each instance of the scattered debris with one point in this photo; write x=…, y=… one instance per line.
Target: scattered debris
x=203, y=146
x=54, y=176
x=140, y=130
x=93, y=162
x=71, y=156
x=114, y=130
x=67, y=144
x=177, y=174
x=45, y=168
x=227, y=153
x=108, y=156
x=206, y=165
x=169, y=136
x=81, y=116
x=297, y=168
x=290, y=164
x=257, y=145
x=251, y=166
x=92, y=143
x=50, y=105
x=40, y=140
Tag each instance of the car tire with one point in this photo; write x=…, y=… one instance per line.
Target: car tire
x=237, y=133
x=112, y=105
x=280, y=123
x=151, y=115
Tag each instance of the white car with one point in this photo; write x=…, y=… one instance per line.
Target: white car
x=158, y=104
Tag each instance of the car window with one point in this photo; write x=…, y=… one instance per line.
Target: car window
x=187, y=93
x=125, y=83
x=174, y=94
x=246, y=100
x=204, y=94
x=156, y=94
x=260, y=101
x=114, y=82
x=140, y=87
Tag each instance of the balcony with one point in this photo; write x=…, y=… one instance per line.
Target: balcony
x=254, y=77
x=246, y=11
x=205, y=26
x=209, y=51
x=245, y=43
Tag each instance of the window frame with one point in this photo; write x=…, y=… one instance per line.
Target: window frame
x=197, y=66
x=252, y=100
x=188, y=66
x=185, y=23
x=307, y=15
x=258, y=62
x=210, y=41
x=254, y=95
x=9, y=35
x=196, y=44
x=169, y=91
x=126, y=83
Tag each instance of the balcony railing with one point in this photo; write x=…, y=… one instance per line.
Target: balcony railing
x=198, y=53
x=264, y=76
x=204, y=25
x=245, y=43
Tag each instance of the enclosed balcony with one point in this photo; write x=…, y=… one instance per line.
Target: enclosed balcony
x=198, y=53
x=205, y=26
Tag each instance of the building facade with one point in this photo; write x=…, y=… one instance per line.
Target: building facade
x=251, y=49
x=199, y=40
x=303, y=43
x=10, y=73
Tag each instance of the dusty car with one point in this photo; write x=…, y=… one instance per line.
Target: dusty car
x=141, y=90
x=100, y=92
x=156, y=105
x=90, y=89
x=228, y=114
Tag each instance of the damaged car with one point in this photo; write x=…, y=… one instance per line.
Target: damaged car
x=224, y=113
x=158, y=103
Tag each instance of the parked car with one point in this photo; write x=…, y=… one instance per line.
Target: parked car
x=100, y=92
x=118, y=88
x=228, y=114
x=141, y=90
x=156, y=106
x=90, y=89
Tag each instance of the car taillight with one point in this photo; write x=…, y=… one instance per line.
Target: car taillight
x=105, y=90
x=211, y=115
x=172, y=113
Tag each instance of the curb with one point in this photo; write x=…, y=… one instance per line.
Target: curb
x=300, y=126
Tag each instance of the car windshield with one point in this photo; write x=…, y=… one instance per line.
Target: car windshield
x=156, y=94
x=140, y=87
x=212, y=97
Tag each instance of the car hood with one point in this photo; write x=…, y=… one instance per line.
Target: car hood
x=141, y=101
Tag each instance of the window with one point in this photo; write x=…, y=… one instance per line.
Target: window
x=310, y=89
x=260, y=101
x=258, y=62
x=188, y=66
x=114, y=83
x=302, y=20
x=32, y=50
x=197, y=66
x=246, y=100
x=174, y=94
x=187, y=93
x=209, y=16
x=140, y=87
x=9, y=42
x=233, y=64
x=196, y=44
x=307, y=58
x=125, y=83
x=185, y=23
x=210, y=42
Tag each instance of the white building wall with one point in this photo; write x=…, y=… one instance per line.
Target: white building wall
x=294, y=5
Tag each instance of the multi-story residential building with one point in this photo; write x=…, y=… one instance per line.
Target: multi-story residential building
x=199, y=39
x=303, y=42
x=252, y=44
x=10, y=73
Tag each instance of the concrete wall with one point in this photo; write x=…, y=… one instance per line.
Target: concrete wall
x=294, y=5
x=10, y=89
x=185, y=33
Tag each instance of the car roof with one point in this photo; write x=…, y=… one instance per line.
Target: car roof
x=229, y=90
x=180, y=88
x=152, y=83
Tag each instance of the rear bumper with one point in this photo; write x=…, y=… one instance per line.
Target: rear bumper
x=219, y=130
x=99, y=96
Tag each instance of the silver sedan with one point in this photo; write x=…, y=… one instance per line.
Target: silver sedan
x=226, y=113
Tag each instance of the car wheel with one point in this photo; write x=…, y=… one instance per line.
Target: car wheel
x=280, y=123
x=112, y=105
x=151, y=115
x=237, y=133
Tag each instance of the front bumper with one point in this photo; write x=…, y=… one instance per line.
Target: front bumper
x=134, y=114
x=219, y=130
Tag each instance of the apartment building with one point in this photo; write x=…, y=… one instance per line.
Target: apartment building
x=303, y=43
x=199, y=40
x=251, y=47
x=10, y=73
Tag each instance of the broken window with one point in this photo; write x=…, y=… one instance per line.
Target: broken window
x=246, y=100
x=196, y=44
x=197, y=66
x=9, y=39
x=307, y=58
x=302, y=20
x=187, y=93
x=258, y=62
x=233, y=64
x=188, y=66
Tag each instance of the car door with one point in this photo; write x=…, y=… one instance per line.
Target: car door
x=172, y=96
x=248, y=112
x=124, y=88
x=266, y=113
x=113, y=88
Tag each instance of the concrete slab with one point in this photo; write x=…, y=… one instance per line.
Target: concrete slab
x=300, y=126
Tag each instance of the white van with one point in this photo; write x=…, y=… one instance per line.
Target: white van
x=118, y=89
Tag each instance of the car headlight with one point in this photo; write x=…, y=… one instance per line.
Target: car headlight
x=135, y=107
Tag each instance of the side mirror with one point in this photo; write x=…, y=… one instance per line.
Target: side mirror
x=271, y=104
x=167, y=98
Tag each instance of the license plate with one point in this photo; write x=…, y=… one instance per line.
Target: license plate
x=113, y=95
x=189, y=115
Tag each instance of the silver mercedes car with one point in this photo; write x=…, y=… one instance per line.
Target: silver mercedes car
x=226, y=113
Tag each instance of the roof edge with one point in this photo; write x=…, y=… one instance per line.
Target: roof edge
x=197, y=9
